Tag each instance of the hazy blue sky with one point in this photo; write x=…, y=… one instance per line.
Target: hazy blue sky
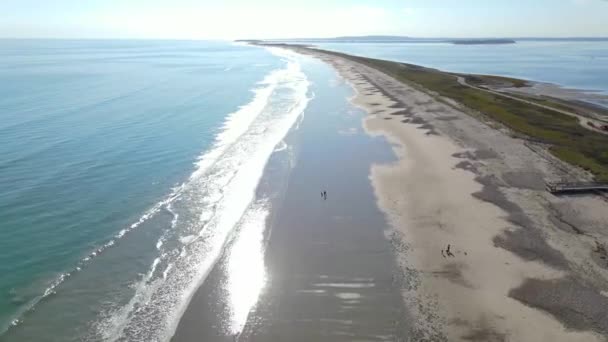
x=305, y=18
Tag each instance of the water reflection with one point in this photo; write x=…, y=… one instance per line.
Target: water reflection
x=245, y=268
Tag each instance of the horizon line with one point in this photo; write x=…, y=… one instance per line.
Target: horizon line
x=300, y=38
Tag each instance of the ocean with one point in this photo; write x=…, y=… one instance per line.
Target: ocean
x=127, y=167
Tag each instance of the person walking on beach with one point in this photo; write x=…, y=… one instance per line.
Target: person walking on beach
x=448, y=252
x=324, y=195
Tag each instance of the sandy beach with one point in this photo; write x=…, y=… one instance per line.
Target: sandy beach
x=485, y=252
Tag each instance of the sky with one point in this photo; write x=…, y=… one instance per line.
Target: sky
x=233, y=19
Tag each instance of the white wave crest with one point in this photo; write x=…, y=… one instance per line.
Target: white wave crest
x=211, y=204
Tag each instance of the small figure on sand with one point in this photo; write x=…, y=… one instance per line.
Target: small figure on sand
x=448, y=252
x=324, y=194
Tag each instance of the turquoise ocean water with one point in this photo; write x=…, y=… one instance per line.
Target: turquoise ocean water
x=124, y=165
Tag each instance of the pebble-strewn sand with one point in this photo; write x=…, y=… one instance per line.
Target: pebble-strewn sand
x=524, y=264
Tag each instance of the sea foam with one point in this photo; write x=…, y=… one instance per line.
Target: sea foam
x=207, y=208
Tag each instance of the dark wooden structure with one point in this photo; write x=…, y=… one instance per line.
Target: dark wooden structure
x=576, y=187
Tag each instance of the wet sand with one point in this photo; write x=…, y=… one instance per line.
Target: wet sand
x=524, y=265
x=330, y=270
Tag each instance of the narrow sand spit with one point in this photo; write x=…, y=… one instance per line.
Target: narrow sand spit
x=523, y=265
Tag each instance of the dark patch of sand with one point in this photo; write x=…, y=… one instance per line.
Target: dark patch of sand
x=577, y=305
x=525, y=240
x=404, y=112
x=417, y=120
x=430, y=128
x=448, y=118
x=380, y=90
x=524, y=180
x=477, y=154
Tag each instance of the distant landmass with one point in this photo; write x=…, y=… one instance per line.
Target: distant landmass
x=251, y=41
x=482, y=41
x=448, y=40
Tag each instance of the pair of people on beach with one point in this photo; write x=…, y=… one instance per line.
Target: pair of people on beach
x=447, y=252
x=324, y=195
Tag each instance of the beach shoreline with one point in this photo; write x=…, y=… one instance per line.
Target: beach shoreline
x=329, y=272
x=516, y=254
